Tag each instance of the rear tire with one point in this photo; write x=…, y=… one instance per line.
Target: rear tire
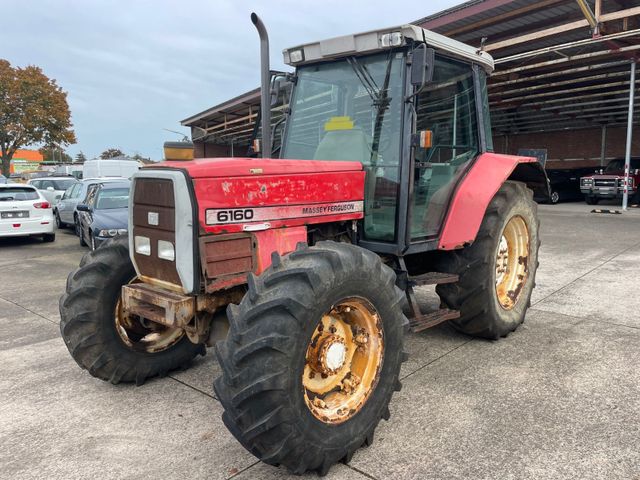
x=59, y=222
x=266, y=354
x=49, y=237
x=88, y=326
x=475, y=295
x=591, y=200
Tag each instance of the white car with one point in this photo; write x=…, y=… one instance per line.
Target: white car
x=52, y=188
x=24, y=212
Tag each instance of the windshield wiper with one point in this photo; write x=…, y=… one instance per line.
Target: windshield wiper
x=379, y=96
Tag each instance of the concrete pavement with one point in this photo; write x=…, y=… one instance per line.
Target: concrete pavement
x=559, y=398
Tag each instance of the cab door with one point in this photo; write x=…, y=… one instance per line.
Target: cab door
x=446, y=108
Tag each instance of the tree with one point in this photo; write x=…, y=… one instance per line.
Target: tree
x=54, y=154
x=33, y=109
x=111, y=153
x=80, y=158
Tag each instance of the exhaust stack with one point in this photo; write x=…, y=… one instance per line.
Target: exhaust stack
x=265, y=86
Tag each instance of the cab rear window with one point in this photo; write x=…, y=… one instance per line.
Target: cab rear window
x=17, y=193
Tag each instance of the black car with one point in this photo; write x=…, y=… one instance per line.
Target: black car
x=565, y=183
x=104, y=213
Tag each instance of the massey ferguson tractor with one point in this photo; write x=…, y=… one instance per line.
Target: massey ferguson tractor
x=301, y=269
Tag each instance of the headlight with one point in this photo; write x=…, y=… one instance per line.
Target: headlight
x=296, y=56
x=142, y=245
x=166, y=250
x=112, y=232
x=587, y=181
x=393, y=39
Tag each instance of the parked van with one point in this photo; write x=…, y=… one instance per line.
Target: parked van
x=111, y=167
x=75, y=170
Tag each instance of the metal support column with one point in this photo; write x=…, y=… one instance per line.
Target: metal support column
x=627, y=161
x=603, y=145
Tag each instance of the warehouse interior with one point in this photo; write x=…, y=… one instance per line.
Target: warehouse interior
x=561, y=85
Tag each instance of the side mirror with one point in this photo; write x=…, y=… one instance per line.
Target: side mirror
x=422, y=65
x=83, y=208
x=280, y=91
x=50, y=189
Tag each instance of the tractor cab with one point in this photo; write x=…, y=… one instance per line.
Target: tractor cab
x=407, y=103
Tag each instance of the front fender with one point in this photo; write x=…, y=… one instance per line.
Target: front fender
x=478, y=187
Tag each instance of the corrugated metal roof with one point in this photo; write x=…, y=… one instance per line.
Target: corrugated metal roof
x=535, y=87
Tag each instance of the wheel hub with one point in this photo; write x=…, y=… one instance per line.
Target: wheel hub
x=332, y=355
x=343, y=361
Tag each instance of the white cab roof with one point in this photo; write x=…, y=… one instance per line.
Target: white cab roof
x=369, y=42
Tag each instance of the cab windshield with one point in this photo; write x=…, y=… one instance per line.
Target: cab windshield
x=351, y=109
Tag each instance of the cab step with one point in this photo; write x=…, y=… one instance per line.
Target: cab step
x=432, y=278
x=424, y=321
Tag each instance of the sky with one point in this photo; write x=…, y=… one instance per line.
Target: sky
x=133, y=68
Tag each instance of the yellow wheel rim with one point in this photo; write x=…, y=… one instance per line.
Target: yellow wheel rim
x=343, y=360
x=142, y=335
x=512, y=262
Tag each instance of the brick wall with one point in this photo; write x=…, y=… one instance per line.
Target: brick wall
x=209, y=150
x=572, y=149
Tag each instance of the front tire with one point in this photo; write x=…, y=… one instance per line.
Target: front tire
x=313, y=300
x=81, y=239
x=497, y=272
x=98, y=337
x=591, y=200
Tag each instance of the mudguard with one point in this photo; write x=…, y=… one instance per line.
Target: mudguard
x=478, y=187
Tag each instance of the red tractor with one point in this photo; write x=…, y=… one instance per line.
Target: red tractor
x=300, y=266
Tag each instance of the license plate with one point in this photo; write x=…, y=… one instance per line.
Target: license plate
x=14, y=215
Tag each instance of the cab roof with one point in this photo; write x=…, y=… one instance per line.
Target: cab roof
x=371, y=41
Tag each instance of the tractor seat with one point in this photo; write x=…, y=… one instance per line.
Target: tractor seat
x=350, y=145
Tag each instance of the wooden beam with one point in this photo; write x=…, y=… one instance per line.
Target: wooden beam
x=567, y=27
x=607, y=17
x=557, y=73
x=571, y=45
x=587, y=12
x=583, y=56
x=629, y=12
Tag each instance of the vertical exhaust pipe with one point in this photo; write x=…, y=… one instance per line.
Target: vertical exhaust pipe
x=265, y=86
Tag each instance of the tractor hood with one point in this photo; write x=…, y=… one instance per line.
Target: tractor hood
x=241, y=167
x=236, y=195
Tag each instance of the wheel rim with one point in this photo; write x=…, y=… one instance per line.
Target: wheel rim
x=142, y=335
x=555, y=197
x=512, y=262
x=343, y=360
